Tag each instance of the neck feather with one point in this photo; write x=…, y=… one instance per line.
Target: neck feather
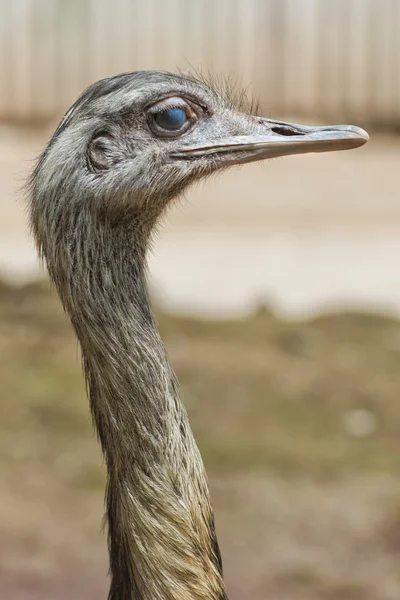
x=162, y=539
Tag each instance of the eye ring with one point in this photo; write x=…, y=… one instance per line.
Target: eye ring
x=171, y=117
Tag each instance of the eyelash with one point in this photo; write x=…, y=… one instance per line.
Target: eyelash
x=190, y=112
x=182, y=103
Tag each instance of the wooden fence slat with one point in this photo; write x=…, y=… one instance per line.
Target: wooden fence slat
x=314, y=58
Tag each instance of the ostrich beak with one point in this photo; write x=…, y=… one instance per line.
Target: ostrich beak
x=269, y=139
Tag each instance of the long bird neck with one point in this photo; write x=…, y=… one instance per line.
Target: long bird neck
x=162, y=540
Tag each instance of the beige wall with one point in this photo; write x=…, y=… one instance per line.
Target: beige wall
x=311, y=57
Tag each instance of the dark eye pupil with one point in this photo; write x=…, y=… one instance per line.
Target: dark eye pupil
x=171, y=119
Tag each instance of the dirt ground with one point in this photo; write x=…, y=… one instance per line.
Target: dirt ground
x=297, y=423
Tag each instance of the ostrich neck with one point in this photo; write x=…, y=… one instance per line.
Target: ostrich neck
x=162, y=540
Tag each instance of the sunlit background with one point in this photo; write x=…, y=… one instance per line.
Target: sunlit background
x=277, y=289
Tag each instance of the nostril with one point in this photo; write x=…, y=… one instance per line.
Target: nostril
x=281, y=130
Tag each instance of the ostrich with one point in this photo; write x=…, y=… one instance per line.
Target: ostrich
x=128, y=146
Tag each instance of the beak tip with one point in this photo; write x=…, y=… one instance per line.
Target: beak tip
x=362, y=135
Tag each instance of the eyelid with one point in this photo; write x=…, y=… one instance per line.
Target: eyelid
x=176, y=102
x=165, y=104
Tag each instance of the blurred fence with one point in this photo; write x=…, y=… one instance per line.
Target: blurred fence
x=301, y=57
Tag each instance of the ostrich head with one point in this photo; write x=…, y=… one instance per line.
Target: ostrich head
x=128, y=146
x=132, y=142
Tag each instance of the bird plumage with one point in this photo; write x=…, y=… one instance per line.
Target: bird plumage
x=97, y=192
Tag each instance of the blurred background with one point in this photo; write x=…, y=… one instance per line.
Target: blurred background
x=277, y=291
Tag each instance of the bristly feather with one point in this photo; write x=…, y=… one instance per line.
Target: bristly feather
x=236, y=95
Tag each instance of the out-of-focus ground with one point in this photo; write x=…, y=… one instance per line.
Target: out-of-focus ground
x=297, y=421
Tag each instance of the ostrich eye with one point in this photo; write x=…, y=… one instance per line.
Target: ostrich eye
x=171, y=119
